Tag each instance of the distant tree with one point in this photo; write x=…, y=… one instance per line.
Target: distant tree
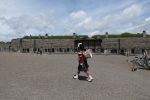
x=126, y=34
x=97, y=36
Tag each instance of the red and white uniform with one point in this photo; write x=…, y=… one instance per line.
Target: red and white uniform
x=81, y=58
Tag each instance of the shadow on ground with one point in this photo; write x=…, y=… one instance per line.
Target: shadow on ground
x=82, y=78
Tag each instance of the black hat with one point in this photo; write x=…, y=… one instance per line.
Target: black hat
x=81, y=46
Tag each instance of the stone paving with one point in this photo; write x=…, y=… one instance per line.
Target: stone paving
x=49, y=77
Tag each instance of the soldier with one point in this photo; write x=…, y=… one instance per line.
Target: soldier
x=83, y=65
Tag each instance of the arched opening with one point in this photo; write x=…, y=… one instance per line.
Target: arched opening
x=114, y=51
x=34, y=50
x=102, y=50
x=49, y=50
x=28, y=50
x=143, y=50
x=46, y=50
x=122, y=52
x=60, y=49
x=38, y=50
x=68, y=49
x=132, y=51
x=53, y=50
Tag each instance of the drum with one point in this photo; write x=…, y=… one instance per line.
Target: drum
x=88, y=53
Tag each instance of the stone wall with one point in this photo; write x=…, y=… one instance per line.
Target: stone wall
x=47, y=45
x=15, y=45
x=4, y=47
x=135, y=43
x=95, y=44
x=110, y=43
x=122, y=45
x=113, y=45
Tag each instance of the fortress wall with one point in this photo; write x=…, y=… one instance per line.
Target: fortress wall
x=117, y=45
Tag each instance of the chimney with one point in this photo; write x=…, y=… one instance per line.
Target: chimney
x=144, y=33
x=106, y=35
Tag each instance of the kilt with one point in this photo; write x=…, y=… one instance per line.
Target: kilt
x=83, y=67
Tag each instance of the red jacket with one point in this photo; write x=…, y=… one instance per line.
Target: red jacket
x=81, y=57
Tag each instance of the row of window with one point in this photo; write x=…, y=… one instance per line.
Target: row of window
x=27, y=50
x=4, y=49
x=114, y=51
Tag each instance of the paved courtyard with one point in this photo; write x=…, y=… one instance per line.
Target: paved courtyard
x=49, y=77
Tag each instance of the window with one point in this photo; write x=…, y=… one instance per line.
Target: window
x=53, y=50
x=60, y=49
x=132, y=51
x=68, y=49
x=46, y=50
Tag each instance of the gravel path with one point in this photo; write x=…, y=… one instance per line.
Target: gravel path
x=49, y=77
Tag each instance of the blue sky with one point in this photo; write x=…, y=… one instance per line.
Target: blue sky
x=64, y=17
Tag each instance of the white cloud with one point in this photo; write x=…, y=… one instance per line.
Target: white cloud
x=144, y=25
x=26, y=24
x=94, y=33
x=125, y=15
x=78, y=15
x=5, y=29
x=81, y=21
x=21, y=17
x=77, y=22
x=147, y=19
x=126, y=19
x=115, y=22
x=119, y=21
x=10, y=8
x=87, y=23
x=132, y=11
